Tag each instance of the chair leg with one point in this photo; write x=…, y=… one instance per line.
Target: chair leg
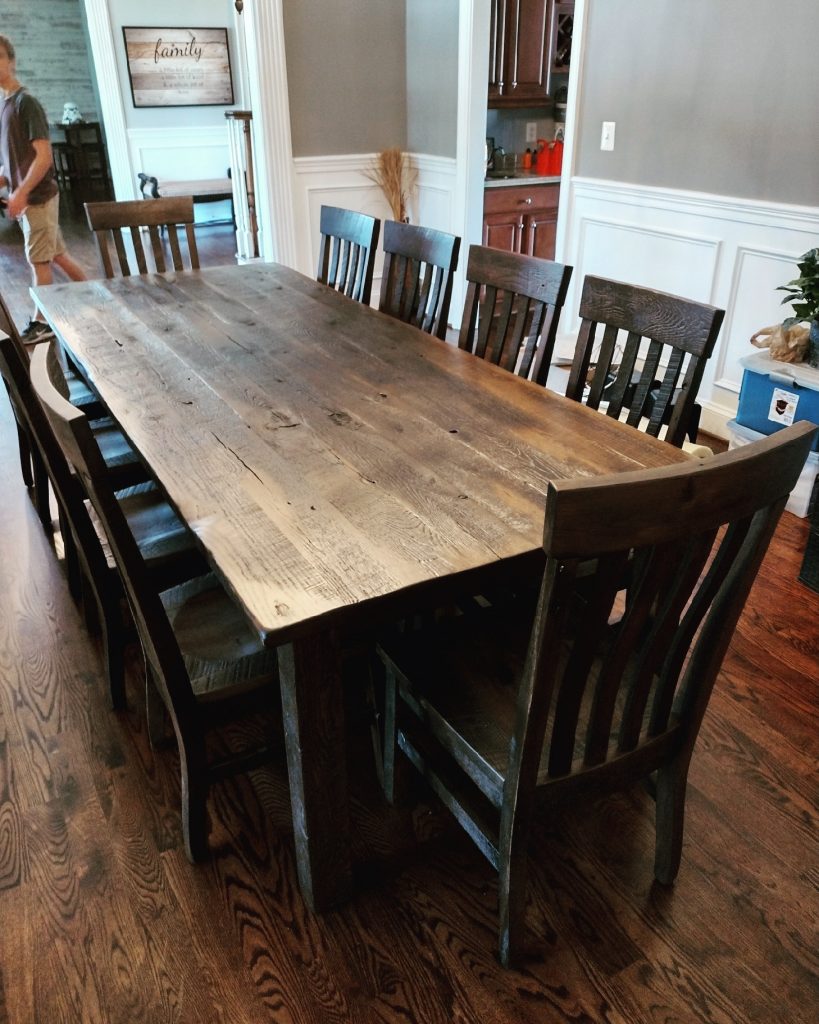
x=113, y=653
x=42, y=492
x=25, y=456
x=156, y=714
x=390, y=735
x=194, y=801
x=670, y=819
x=512, y=894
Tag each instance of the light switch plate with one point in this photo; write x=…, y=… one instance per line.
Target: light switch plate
x=607, y=135
x=531, y=131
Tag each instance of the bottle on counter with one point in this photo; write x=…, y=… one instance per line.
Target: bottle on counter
x=527, y=160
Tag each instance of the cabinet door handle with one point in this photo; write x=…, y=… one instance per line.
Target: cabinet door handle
x=527, y=201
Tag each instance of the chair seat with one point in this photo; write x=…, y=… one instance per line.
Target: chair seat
x=462, y=682
x=224, y=656
x=165, y=543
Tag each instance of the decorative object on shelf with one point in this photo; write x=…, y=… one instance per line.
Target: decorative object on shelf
x=71, y=114
x=787, y=344
x=396, y=177
x=803, y=295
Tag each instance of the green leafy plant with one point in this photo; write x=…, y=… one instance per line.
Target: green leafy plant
x=803, y=291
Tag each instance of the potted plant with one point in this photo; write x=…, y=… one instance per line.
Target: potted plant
x=803, y=294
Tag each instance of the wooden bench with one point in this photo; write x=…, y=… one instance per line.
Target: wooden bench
x=203, y=190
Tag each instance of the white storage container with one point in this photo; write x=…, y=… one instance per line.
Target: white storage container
x=800, y=495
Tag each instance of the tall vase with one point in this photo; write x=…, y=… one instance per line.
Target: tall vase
x=813, y=346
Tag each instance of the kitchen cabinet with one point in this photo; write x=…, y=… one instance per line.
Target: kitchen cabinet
x=519, y=52
x=521, y=218
x=560, y=36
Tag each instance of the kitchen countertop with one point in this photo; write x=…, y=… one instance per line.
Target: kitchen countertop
x=520, y=177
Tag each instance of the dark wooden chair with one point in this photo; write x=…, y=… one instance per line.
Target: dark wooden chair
x=205, y=664
x=652, y=378
x=511, y=710
x=167, y=545
x=512, y=309
x=123, y=464
x=347, y=254
x=168, y=216
x=419, y=265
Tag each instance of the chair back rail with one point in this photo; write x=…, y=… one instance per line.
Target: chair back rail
x=168, y=216
x=512, y=309
x=419, y=266
x=630, y=376
x=347, y=252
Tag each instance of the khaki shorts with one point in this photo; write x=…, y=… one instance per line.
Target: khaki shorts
x=41, y=231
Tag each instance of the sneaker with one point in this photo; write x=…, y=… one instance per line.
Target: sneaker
x=37, y=330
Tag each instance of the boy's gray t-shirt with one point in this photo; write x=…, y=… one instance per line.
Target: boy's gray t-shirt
x=22, y=120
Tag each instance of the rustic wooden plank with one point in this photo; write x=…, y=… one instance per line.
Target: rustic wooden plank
x=399, y=429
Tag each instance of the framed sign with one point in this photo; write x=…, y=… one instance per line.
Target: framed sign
x=178, y=67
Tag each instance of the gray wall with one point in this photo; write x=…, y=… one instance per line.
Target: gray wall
x=52, y=55
x=346, y=75
x=715, y=96
x=432, y=76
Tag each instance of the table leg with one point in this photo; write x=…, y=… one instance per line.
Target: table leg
x=312, y=705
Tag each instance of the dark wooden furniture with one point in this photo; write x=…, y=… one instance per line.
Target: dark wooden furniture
x=203, y=661
x=506, y=711
x=201, y=190
x=24, y=444
x=161, y=219
x=521, y=218
x=81, y=161
x=419, y=265
x=166, y=545
x=339, y=468
x=519, y=53
x=512, y=309
x=651, y=377
x=347, y=254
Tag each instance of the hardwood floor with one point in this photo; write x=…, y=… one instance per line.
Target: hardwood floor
x=104, y=920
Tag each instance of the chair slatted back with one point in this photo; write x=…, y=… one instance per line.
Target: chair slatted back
x=419, y=266
x=170, y=217
x=14, y=366
x=76, y=440
x=634, y=677
x=347, y=253
x=512, y=309
x=630, y=376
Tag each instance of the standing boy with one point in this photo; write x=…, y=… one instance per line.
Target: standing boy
x=27, y=170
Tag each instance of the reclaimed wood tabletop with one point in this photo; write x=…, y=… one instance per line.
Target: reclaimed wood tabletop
x=338, y=467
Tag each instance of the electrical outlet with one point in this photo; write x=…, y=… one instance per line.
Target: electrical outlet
x=607, y=135
x=531, y=131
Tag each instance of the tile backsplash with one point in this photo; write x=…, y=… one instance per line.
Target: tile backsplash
x=508, y=128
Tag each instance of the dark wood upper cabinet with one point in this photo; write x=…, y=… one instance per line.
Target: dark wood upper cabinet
x=560, y=36
x=519, y=52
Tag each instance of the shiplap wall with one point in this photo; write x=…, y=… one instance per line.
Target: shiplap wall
x=52, y=54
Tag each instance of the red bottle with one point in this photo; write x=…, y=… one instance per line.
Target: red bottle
x=556, y=158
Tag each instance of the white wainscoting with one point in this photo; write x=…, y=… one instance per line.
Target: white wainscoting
x=181, y=154
x=729, y=252
x=343, y=181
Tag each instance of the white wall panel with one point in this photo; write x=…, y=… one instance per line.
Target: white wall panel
x=730, y=252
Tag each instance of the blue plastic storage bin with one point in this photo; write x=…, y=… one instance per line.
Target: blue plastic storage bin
x=776, y=394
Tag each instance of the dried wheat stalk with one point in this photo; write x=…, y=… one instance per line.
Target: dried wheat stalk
x=393, y=173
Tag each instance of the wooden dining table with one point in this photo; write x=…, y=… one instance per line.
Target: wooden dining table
x=340, y=469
